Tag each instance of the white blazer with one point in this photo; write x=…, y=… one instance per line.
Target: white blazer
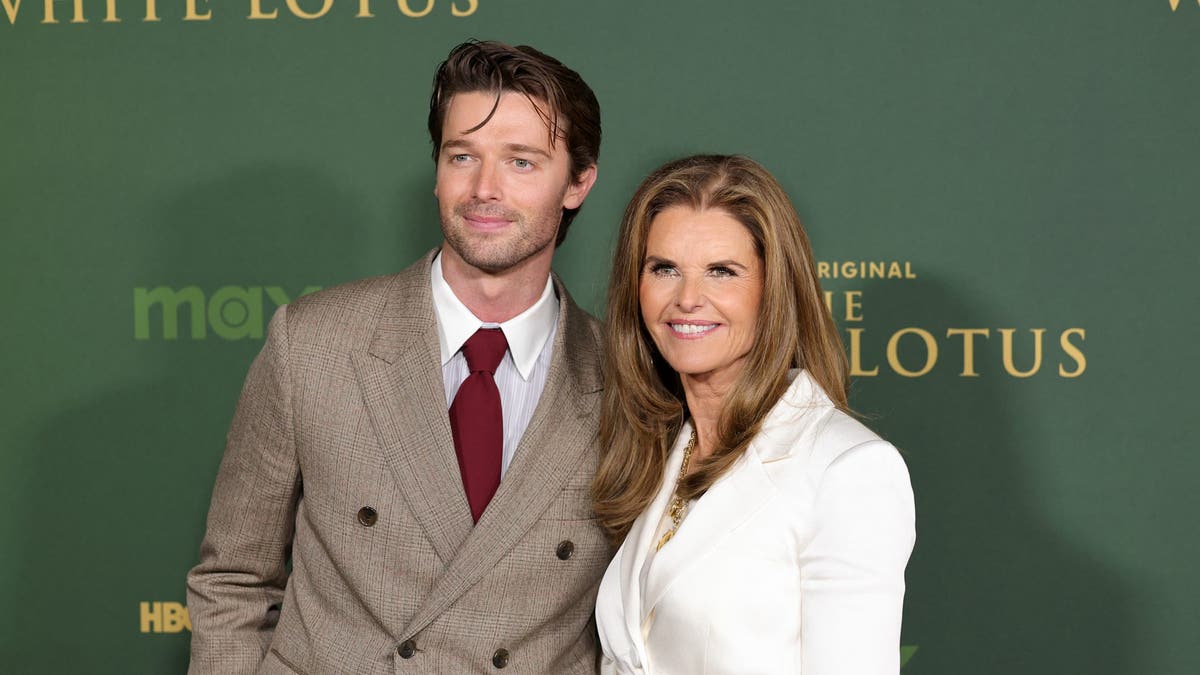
x=793, y=562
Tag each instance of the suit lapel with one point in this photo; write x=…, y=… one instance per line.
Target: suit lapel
x=401, y=380
x=563, y=428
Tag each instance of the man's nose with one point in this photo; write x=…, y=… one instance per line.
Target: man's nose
x=487, y=181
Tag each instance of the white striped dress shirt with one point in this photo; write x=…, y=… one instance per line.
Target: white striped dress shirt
x=521, y=375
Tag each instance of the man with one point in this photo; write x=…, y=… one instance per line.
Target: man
x=428, y=474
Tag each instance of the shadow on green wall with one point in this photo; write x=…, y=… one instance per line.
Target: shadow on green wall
x=115, y=509
x=993, y=589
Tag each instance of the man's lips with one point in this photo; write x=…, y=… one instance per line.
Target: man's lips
x=486, y=217
x=486, y=222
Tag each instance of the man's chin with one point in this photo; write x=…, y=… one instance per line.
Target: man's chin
x=487, y=258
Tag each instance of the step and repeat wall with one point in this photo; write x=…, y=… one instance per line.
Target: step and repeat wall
x=1004, y=198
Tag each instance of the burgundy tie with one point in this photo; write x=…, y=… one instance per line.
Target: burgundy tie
x=476, y=420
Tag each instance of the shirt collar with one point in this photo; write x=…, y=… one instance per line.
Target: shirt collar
x=526, y=332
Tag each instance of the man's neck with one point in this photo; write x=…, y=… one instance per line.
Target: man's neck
x=496, y=297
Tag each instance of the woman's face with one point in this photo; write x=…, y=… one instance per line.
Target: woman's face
x=701, y=284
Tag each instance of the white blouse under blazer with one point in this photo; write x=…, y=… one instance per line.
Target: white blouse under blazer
x=793, y=562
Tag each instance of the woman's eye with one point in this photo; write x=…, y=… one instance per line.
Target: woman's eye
x=661, y=270
x=722, y=271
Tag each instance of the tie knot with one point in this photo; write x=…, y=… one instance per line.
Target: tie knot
x=484, y=350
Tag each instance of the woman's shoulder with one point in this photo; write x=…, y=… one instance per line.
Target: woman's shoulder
x=808, y=436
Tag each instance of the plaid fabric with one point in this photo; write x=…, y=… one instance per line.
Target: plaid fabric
x=340, y=453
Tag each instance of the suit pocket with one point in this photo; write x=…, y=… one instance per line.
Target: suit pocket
x=276, y=663
x=573, y=502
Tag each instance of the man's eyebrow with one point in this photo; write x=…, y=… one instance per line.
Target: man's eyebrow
x=466, y=144
x=458, y=143
x=528, y=149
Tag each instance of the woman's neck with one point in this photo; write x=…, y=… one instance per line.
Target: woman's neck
x=705, y=401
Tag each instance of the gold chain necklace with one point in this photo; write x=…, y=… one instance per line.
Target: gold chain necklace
x=678, y=508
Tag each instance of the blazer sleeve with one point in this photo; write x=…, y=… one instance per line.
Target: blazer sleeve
x=235, y=591
x=852, y=572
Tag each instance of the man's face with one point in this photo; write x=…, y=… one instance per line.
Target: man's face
x=501, y=189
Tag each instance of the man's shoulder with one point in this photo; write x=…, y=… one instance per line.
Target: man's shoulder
x=581, y=326
x=581, y=343
x=356, y=307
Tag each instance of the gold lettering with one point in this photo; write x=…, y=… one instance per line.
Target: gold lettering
x=472, y=5
x=152, y=617
x=908, y=273
x=191, y=13
x=1073, y=352
x=48, y=15
x=931, y=352
x=294, y=5
x=1007, y=335
x=364, y=9
x=856, y=369
x=894, y=271
x=110, y=14
x=407, y=11
x=78, y=18
x=849, y=270
x=968, y=347
x=11, y=7
x=875, y=269
x=257, y=13
x=151, y=11
x=851, y=305
x=822, y=267
x=175, y=617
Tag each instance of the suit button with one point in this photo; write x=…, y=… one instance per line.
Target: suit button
x=407, y=649
x=367, y=516
x=565, y=550
x=500, y=658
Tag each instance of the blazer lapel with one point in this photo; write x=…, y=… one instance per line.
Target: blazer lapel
x=401, y=380
x=731, y=501
x=739, y=495
x=563, y=428
x=640, y=542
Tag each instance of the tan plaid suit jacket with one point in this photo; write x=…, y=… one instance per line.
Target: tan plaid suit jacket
x=340, y=454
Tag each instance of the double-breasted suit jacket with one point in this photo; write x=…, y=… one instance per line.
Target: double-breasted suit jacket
x=340, y=456
x=792, y=562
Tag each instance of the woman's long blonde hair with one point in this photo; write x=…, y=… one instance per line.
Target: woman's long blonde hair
x=644, y=406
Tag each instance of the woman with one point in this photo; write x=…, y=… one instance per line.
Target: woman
x=761, y=528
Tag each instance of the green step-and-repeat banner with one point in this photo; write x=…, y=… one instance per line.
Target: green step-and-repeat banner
x=1004, y=197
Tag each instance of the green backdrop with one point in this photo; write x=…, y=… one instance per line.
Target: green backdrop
x=1032, y=167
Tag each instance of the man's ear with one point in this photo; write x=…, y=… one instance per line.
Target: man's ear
x=578, y=189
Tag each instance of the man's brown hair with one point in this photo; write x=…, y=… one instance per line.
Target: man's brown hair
x=559, y=94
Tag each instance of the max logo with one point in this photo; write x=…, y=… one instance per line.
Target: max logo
x=232, y=312
x=1175, y=4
